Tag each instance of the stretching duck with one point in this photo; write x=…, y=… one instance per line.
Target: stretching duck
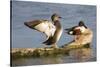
x=52, y=29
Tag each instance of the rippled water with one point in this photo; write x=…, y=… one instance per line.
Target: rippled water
x=23, y=37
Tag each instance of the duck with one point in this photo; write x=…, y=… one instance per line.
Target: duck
x=52, y=29
x=82, y=34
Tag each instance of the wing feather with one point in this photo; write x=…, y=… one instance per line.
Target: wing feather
x=46, y=27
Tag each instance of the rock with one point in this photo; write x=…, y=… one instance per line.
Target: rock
x=42, y=52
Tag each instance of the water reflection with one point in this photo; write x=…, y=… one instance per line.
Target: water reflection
x=52, y=60
x=83, y=54
x=36, y=61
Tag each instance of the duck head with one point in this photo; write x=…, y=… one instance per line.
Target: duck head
x=77, y=30
x=55, y=17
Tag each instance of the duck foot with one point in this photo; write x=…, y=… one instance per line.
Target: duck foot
x=54, y=46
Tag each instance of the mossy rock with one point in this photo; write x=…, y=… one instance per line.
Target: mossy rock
x=45, y=52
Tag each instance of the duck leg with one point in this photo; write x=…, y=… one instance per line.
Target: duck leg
x=54, y=45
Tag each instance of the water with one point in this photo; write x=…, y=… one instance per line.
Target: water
x=48, y=60
x=23, y=37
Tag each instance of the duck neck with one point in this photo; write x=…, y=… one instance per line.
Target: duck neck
x=57, y=24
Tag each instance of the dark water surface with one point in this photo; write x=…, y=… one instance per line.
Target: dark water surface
x=23, y=37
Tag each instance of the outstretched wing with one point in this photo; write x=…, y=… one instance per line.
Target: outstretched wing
x=42, y=26
x=47, y=28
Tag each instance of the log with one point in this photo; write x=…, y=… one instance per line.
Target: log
x=43, y=52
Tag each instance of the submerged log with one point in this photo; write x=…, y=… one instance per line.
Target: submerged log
x=43, y=52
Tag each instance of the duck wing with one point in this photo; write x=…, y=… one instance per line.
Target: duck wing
x=32, y=24
x=43, y=26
